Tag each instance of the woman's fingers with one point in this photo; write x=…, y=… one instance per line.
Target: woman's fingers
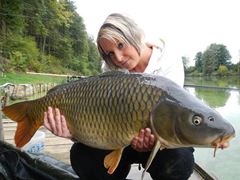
x=58, y=122
x=65, y=131
x=140, y=143
x=149, y=139
x=134, y=142
x=144, y=141
x=147, y=134
x=51, y=120
x=137, y=141
x=46, y=122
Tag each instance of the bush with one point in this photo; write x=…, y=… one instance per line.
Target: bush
x=222, y=70
x=22, y=52
x=18, y=61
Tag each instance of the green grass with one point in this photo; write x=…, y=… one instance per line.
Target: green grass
x=23, y=78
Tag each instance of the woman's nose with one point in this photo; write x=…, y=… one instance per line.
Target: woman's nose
x=118, y=56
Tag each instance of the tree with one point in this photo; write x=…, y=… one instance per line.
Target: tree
x=36, y=12
x=222, y=70
x=214, y=56
x=198, y=61
x=11, y=18
x=94, y=58
x=77, y=32
x=236, y=68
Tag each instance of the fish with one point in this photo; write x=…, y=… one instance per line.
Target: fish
x=107, y=110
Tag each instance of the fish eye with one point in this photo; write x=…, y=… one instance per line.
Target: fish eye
x=196, y=120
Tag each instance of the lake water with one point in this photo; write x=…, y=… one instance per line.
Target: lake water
x=226, y=164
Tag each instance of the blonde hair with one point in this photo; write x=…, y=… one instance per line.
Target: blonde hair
x=118, y=27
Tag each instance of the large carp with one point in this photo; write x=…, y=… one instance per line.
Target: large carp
x=108, y=110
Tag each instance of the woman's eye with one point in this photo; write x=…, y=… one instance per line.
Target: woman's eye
x=110, y=54
x=120, y=45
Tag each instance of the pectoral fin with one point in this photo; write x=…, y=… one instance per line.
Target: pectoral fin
x=151, y=157
x=112, y=160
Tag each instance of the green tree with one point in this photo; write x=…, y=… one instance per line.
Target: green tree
x=78, y=33
x=36, y=12
x=198, y=61
x=94, y=58
x=236, y=68
x=222, y=70
x=11, y=17
x=214, y=56
x=208, y=62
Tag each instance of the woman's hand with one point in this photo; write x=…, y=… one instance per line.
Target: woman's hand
x=144, y=141
x=56, y=123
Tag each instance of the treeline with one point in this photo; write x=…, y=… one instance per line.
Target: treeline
x=45, y=36
x=215, y=60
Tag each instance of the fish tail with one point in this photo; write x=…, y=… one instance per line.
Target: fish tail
x=26, y=124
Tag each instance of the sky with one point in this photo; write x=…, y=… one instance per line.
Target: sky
x=187, y=26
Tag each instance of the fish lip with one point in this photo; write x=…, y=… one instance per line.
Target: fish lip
x=222, y=142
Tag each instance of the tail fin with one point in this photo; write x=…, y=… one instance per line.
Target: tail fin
x=26, y=125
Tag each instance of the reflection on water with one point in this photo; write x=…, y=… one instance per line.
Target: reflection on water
x=231, y=81
x=212, y=97
x=226, y=164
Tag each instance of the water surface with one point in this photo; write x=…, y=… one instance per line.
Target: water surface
x=226, y=164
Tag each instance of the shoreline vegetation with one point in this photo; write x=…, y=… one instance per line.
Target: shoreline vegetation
x=32, y=78
x=38, y=78
x=35, y=78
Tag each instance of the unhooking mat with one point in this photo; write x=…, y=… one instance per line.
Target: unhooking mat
x=19, y=165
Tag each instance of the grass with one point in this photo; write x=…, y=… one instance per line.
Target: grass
x=23, y=78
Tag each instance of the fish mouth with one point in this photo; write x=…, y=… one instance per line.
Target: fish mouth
x=221, y=142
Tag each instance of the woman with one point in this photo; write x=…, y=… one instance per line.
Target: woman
x=122, y=46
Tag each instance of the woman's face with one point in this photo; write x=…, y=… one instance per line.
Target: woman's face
x=124, y=56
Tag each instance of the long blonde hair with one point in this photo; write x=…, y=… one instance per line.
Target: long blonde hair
x=118, y=27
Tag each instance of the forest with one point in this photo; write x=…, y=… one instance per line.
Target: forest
x=45, y=36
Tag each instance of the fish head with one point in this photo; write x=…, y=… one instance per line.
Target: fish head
x=182, y=120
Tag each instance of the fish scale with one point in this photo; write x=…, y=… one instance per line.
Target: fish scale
x=120, y=105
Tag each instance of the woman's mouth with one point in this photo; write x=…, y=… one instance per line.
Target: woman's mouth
x=124, y=63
